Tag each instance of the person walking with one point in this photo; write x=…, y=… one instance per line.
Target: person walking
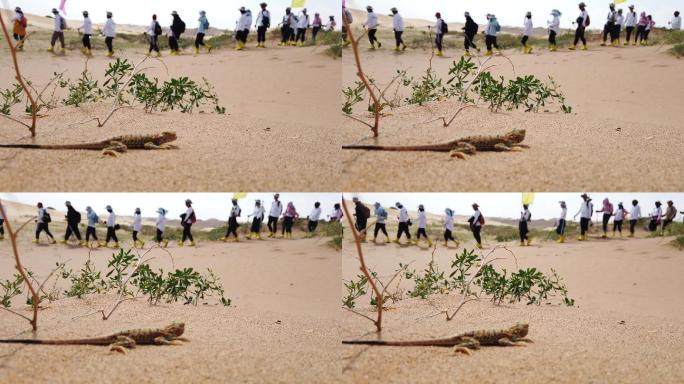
x=630, y=23
x=316, y=26
x=2, y=226
x=285, y=27
x=302, y=26
x=404, y=223
x=294, y=21
x=634, y=216
x=202, y=28
x=449, y=228
x=273, y=215
x=441, y=28
x=263, y=22
x=153, y=32
x=647, y=30
x=336, y=214
x=560, y=224
x=670, y=214
x=656, y=217
x=73, y=219
x=362, y=214
x=137, y=227
x=610, y=23
x=244, y=24
x=525, y=218
x=607, y=210
x=469, y=32
x=585, y=212
x=554, y=29
x=175, y=32
x=641, y=29
x=620, y=215
x=91, y=229
x=257, y=216
x=330, y=26
x=527, y=32
x=398, y=26
x=43, y=224
x=380, y=222
x=87, y=30
x=112, y=226
x=109, y=32
x=313, y=217
x=19, y=24
x=493, y=28
x=58, y=31
x=235, y=212
x=582, y=24
x=348, y=18
x=676, y=22
x=160, y=225
x=187, y=220
x=617, y=28
x=289, y=218
x=422, y=226
x=476, y=222
x=371, y=25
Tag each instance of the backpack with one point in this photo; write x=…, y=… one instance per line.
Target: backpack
x=206, y=24
x=78, y=217
x=24, y=22
x=193, y=219
x=481, y=220
x=46, y=217
x=365, y=211
x=586, y=24
x=445, y=27
x=182, y=26
x=157, y=29
x=62, y=23
x=384, y=214
x=97, y=218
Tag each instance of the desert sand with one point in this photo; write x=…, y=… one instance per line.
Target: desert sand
x=624, y=104
x=280, y=104
x=281, y=326
x=625, y=327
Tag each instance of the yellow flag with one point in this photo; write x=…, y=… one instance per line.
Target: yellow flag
x=298, y=3
x=239, y=195
x=618, y=1
x=527, y=198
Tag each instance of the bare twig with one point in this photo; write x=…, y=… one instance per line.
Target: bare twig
x=364, y=269
x=359, y=72
x=35, y=299
x=13, y=53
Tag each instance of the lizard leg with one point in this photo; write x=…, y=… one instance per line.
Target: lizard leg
x=458, y=154
x=524, y=339
x=150, y=145
x=121, y=343
x=114, y=148
x=501, y=147
x=506, y=342
x=181, y=339
x=467, y=344
x=161, y=340
x=462, y=150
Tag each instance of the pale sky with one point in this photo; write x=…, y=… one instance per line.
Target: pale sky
x=206, y=205
x=509, y=205
x=221, y=13
x=512, y=13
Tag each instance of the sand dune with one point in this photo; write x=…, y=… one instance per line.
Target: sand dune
x=625, y=327
x=623, y=117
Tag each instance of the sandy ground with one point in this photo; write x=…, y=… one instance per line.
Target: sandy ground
x=279, y=104
x=624, y=118
x=631, y=280
x=280, y=328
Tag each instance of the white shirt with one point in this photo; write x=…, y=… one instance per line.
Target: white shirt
x=41, y=213
x=58, y=23
x=303, y=21
x=258, y=212
x=188, y=212
x=398, y=23
x=554, y=25
x=150, y=29
x=635, y=213
x=564, y=213
x=336, y=215
x=371, y=21
x=109, y=28
x=630, y=20
x=657, y=213
x=276, y=209
x=315, y=214
x=676, y=22
x=236, y=211
x=449, y=222
x=438, y=26
x=586, y=210
x=137, y=222
x=611, y=16
x=584, y=15
x=619, y=214
x=528, y=26
x=525, y=215
x=87, y=26
x=619, y=19
x=260, y=17
x=422, y=219
x=245, y=21
x=476, y=218
x=403, y=215
x=111, y=219
x=293, y=22
x=161, y=222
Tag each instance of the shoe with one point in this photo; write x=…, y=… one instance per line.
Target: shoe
x=166, y=243
x=271, y=235
x=173, y=52
x=34, y=241
x=529, y=242
x=478, y=245
x=626, y=43
x=52, y=49
x=387, y=241
x=466, y=54
x=413, y=242
x=603, y=44
x=372, y=47
x=445, y=243
x=439, y=53
x=529, y=49
x=180, y=244
x=193, y=243
x=89, y=52
x=197, y=51
x=62, y=241
x=403, y=47
x=561, y=239
x=604, y=236
x=572, y=47
x=210, y=47
x=237, y=239
x=488, y=53
x=116, y=245
x=224, y=239
x=379, y=44
x=142, y=243
x=477, y=49
x=429, y=243
x=109, y=54
x=522, y=243
x=52, y=241
x=396, y=49
x=584, y=47
x=613, y=235
x=553, y=48
x=281, y=44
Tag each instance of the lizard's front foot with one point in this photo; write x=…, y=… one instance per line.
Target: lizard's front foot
x=114, y=148
x=151, y=145
x=459, y=155
x=506, y=342
x=121, y=343
x=501, y=147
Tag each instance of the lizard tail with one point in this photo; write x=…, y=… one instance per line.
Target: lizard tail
x=415, y=343
x=47, y=146
x=57, y=342
x=427, y=147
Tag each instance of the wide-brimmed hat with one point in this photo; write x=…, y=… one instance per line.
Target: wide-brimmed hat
x=584, y=195
x=109, y=207
x=174, y=13
x=582, y=5
x=161, y=211
x=476, y=205
x=394, y=9
x=109, y=14
x=67, y=203
x=188, y=201
x=54, y=10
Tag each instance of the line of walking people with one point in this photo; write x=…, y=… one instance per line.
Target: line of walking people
x=639, y=27
x=658, y=221
x=74, y=219
x=293, y=30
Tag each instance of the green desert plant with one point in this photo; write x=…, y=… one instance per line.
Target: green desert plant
x=11, y=288
x=355, y=289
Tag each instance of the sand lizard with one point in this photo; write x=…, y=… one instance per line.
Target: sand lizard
x=510, y=141
x=113, y=146
x=121, y=340
x=513, y=336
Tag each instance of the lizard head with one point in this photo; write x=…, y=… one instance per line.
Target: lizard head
x=520, y=330
x=175, y=329
x=516, y=135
